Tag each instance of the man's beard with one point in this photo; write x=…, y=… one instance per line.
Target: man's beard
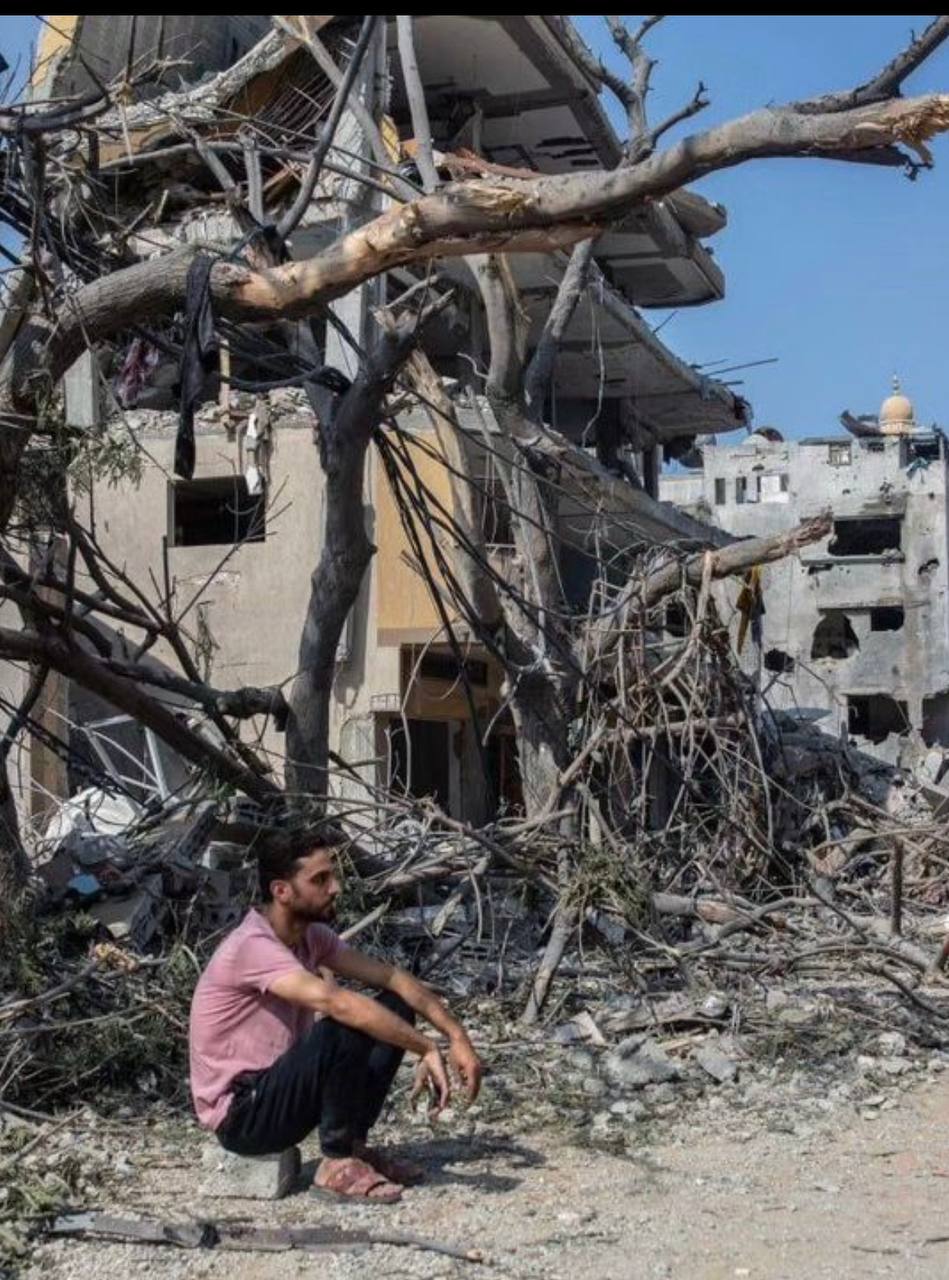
x=315, y=915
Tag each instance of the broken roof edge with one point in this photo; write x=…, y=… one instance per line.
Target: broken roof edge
x=264, y=56
x=659, y=523
x=706, y=388
x=677, y=222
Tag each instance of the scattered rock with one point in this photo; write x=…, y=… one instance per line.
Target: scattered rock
x=567, y=1033
x=250, y=1178
x=636, y=1062
x=715, y=1006
x=894, y=1066
x=798, y=1015
x=891, y=1044
x=581, y=1060
x=715, y=1063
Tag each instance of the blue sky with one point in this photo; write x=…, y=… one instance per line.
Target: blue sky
x=841, y=271
x=17, y=33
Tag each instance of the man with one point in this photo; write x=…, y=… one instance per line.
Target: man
x=264, y=1073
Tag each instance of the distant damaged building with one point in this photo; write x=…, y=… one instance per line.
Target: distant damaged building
x=855, y=632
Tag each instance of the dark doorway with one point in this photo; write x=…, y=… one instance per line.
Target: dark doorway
x=420, y=767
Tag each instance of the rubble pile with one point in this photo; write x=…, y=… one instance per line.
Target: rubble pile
x=813, y=982
x=125, y=918
x=129, y=884
x=97, y=993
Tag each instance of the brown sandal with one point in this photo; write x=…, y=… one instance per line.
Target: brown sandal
x=405, y=1173
x=357, y=1180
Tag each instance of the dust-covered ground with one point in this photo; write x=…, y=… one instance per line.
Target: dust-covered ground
x=840, y=1170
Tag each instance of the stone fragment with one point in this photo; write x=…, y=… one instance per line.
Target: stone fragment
x=715, y=1063
x=636, y=1062
x=250, y=1177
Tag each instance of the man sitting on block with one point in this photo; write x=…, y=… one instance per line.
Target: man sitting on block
x=266, y=1072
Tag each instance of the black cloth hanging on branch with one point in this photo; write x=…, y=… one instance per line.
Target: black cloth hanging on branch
x=199, y=357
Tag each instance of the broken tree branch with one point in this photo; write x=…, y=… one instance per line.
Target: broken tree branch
x=31, y=646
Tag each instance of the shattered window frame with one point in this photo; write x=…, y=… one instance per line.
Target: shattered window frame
x=152, y=782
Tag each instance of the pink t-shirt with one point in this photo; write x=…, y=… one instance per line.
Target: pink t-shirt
x=237, y=1024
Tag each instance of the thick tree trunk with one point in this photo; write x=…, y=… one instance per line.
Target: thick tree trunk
x=14, y=864
x=541, y=692
x=542, y=716
x=345, y=555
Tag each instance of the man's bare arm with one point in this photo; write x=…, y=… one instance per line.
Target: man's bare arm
x=359, y=967
x=362, y=1014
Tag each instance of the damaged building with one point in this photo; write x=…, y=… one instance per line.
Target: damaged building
x=855, y=631
x=242, y=536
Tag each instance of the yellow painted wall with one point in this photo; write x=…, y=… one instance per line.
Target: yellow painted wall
x=57, y=34
x=406, y=612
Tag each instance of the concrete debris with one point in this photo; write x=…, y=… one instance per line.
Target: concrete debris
x=135, y=918
x=891, y=1044
x=666, y=1011
x=581, y=1028
x=127, y=880
x=590, y=1030
x=250, y=1177
x=636, y=1062
x=894, y=1066
x=715, y=1006
x=568, y=1033
x=90, y=811
x=715, y=1062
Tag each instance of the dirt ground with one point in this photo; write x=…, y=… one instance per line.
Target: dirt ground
x=714, y=1194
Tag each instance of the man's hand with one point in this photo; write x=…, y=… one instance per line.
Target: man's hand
x=431, y=1074
x=467, y=1064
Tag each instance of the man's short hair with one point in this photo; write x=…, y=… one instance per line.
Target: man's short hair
x=279, y=856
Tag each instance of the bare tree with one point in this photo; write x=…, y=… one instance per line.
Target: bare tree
x=70, y=301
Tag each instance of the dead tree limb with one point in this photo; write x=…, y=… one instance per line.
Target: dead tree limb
x=31, y=646
x=604, y=629
x=737, y=558
x=415, y=91
x=503, y=215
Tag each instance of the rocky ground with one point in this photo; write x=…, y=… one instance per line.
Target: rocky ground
x=823, y=1153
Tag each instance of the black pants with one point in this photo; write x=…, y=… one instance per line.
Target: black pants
x=334, y=1077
